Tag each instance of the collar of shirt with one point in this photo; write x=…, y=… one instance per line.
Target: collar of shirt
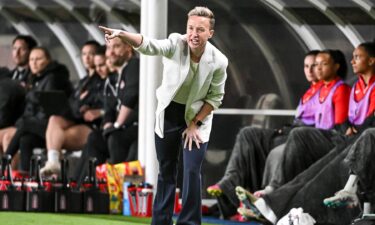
x=314, y=87
x=21, y=69
x=326, y=88
x=18, y=72
x=360, y=88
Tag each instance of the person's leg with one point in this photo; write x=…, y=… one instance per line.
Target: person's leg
x=304, y=146
x=345, y=197
x=76, y=137
x=27, y=143
x=271, y=179
x=325, y=183
x=360, y=161
x=11, y=143
x=308, y=190
x=8, y=136
x=191, y=212
x=55, y=133
x=167, y=154
x=55, y=138
x=2, y=134
x=245, y=166
x=119, y=143
x=167, y=151
x=96, y=147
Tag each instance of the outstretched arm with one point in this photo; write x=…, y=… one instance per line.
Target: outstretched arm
x=133, y=39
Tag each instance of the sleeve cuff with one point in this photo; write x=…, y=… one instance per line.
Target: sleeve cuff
x=214, y=104
x=142, y=45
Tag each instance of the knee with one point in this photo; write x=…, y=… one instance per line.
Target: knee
x=369, y=132
x=247, y=132
x=300, y=131
x=249, y=129
x=55, y=122
x=7, y=138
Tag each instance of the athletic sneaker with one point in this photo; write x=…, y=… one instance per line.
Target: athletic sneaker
x=50, y=169
x=249, y=214
x=243, y=194
x=214, y=190
x=342, y=198
x=248, y=209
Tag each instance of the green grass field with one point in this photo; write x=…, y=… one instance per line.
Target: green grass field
x=23, y=218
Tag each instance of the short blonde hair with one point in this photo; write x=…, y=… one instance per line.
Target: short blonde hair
x=203, y=12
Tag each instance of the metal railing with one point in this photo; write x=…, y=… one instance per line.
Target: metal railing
x=267, y=112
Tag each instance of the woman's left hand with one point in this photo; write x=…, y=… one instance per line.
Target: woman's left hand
x=191, y=134
x=351, y=131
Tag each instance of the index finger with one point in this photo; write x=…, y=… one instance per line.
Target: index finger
x=104, y=29
x=197, y=144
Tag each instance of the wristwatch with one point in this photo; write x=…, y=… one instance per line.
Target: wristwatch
x=116, y=125
x=198, y=123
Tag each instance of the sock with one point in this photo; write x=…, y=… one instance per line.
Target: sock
x=268, y=189
x=53, y=155
x=366, y=208
x=351, y=184
x=265, y=210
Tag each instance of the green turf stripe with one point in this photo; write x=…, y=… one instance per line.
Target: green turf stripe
x=25, y=218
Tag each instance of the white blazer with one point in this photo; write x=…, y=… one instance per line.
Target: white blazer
x=209, y=87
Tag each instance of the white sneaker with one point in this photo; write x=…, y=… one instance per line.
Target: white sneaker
x=50, y=169
x=342, y=198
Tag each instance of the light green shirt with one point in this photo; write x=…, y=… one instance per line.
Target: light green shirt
x=183, y=93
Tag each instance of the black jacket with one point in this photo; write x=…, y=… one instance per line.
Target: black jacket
x=4, y=72
x=122, y=92
x=12, y=99
x=54, y=77
x=94, y=99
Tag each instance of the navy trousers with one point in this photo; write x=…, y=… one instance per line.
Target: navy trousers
x=167, y=151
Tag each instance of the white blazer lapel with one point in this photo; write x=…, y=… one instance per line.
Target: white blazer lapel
x=205, y=65
x=185, y=63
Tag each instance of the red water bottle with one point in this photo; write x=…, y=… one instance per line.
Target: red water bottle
x=147, y=198
x=132, y=193
x=140, y=200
